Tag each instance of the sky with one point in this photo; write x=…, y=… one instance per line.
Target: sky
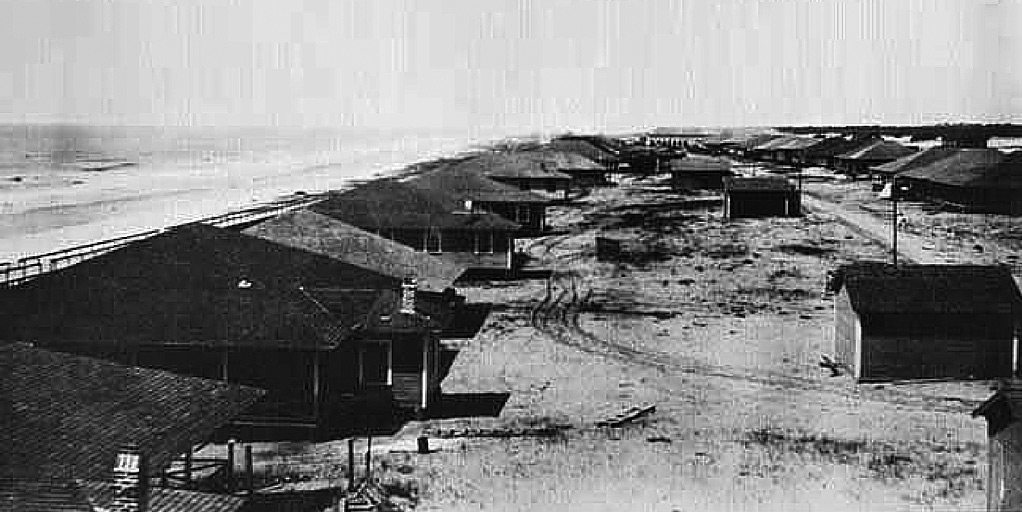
x=516, y=65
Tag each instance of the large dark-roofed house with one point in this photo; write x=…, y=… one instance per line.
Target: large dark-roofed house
x=760, y=196
x=885, y=172
x=925, y=321
x=427, y=220
x=216, y=303
x=980, y=180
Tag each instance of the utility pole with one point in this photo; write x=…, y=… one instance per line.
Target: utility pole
x=894, y=220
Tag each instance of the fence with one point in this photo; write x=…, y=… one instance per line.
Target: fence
x=29, y=267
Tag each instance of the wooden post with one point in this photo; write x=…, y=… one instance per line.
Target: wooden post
x=894, y=220
x=315, y=386
x=229, y=469
x=351, y=464
x=188, y=466
x=249, y=469
x=369, y=453
x=223, y=365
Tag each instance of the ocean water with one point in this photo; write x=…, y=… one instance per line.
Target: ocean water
x=66, y=185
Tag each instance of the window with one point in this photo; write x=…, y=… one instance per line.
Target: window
x=433, y=244
x=375, y=364
x=523, y=215
x=484, y=243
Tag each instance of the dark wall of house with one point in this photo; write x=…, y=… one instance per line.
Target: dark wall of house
x=1005, y=200
x=697, y=181
x=761, y=204
x=924, y=346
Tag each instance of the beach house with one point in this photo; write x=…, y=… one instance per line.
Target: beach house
x=468, y=183
x=525, y=170
x=925, y=321
x=975, y=180
x=215, y=303
x=699, y=172
x=857, y=162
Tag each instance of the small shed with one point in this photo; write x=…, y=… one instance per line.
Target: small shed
x=699, y=172
x=761, y=196
x=925, y=321
x=1003, y=413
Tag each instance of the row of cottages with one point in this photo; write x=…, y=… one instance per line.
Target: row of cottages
x=925, y=321
x=761, y=196
x=83, y=434
x=825, y=153
x=671, y=137
x=977, y=180
x=698, y=172
x=321, y=335
x=523, y=170
x=858, y=161
x=430, y=221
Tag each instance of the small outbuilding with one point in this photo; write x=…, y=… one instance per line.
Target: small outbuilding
x=925, y=321
x=1003, y=413
x=760, y=196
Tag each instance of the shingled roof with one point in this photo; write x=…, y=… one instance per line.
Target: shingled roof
x=70, y=415
x=468, y=182
x=833, y=146
x=758, y=183
x=196, y=285
x=776, y=143
x=878, y=150
x=311, y=231
x=701, y=164
x=884, y=288
x=169, y=500
x=797, y=143
x=391, y=204
x=974, y=168
x=914, y=160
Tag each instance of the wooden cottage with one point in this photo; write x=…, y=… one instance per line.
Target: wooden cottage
x=215, y=303
x=428, y=220
x=480, y=194
x=770, y=150
x=794, y=151
x=76, y=428
x=858, y=161
x=762, y=196
x=976, y=180
x=584, y=173
x=925, y=321
x=699, y=172
x=524, y=170
x=885, y=173
x=1003, y=413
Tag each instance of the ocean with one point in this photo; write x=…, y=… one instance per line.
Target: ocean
x=65, y=185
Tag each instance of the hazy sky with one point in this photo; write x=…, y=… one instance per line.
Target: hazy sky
x=516, y=65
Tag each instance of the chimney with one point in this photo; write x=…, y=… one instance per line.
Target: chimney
x=131, y=485
x=408, y=288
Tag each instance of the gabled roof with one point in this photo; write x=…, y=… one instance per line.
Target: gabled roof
x=973, y=168
x=520, y=164
x=1003, y=408
x=833, y=146
x=701, y=164
x=884, y=288
x=195, y=285
x=467, y=182
x=316, y=233
x=758, y=183
x=796, y=144
x=914, y=160
x=563, y=161
x=752, y=141
x=776, y=143
x=70, y=415
x=586, y=147
x=390, y=204
x=878, y=150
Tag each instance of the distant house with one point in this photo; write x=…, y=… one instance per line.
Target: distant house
x=770, y=150
x=767, y=196
x=825, y=152
x=978, y=180
x=590, y=148
x=884, y=173
x=467, y=183
x=672, y=137
x=1003, y=413
x=524, y=170
x=699, y=172
x=429, y=220
x=925, y=321
x=74, y=424
x=318, y=334
x=584, y=173
x=858, y=161
x=794, y=151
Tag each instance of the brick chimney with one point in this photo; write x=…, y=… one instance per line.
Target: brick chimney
x=131, y=485
x=408, y=289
